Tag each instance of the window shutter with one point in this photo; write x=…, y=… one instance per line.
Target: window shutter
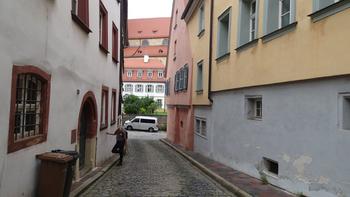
x=186, y=77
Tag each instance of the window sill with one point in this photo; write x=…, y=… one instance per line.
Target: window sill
x=202, y=136
x=113, y=122
x=221, y=57
x=201, y=33
x=103, y=127
x=279, y=32
x=255, y=118
x=247, y=45
x=329, y=10
x=199, y=92
x=81, y=23
x=16, y=146
x=103, y=49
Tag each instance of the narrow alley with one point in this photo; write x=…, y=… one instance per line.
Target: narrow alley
x=153, y=169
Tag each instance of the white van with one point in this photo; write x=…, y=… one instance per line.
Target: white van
x=142, y=123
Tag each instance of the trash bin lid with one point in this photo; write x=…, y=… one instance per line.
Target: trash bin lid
x=56, y=157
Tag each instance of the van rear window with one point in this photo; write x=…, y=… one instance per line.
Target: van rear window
x=148, y=121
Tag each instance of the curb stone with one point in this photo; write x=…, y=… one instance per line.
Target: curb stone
x=79, y=190
x=234, y=189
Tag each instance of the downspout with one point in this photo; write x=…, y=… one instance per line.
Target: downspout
x=210, y=49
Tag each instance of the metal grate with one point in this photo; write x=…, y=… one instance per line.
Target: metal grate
x=28, y=106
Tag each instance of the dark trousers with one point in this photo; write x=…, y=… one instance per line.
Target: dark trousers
x=120, y=148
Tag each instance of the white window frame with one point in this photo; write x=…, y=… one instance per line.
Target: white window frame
x=201, y=19
x=252, y=17
x=138, y=88
x=129, y=73
x=280, y=14
x=200, y=130
x=254, y=111
x=151, y=88
x=139, y=73
x=159, y=88
x=160, y=74
x=128, y=87
x=149, y=74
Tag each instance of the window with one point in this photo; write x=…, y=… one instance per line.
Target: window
x=175, y=43
x=200, y=76
x=160, y=74
x=80, y=14
x=159, y=103
x=320, y=4
x=103, y=28
x=165, y=42
x=279, y=14
x=167, y=85
x=115, y=45
x=325, y=8
x=149, y=88
x=159, y=89
x=270, y=166
x=201, y=126
x=247, y=30
x=137, y=120
x=148, y=121
x=175, y=19
x=284, y=17
x=139, y=88
x=149, y=73
x=114, y=106
x=181, y=79
x=254, y=107
x=224, y=33
x=139, y=73
x=201, y=22
x=145, y=43
x=185, y=80
x=344, y=111
x=129, y=73
x=29, y=110
x=129, y=87
x=104, y=108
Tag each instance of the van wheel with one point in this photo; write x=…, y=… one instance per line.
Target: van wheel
x=129, y=127
x=151, y=130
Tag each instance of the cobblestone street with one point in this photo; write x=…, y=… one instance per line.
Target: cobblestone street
x=153, y=169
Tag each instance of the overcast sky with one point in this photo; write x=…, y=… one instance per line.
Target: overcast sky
x=149, y=8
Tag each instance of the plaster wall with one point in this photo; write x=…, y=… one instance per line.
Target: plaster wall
x=200, y=52
x=179, y=57
x=310, y=50
x=42, y=33
x=300, y=129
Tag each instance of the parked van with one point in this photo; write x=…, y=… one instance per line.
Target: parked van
x=142, y=123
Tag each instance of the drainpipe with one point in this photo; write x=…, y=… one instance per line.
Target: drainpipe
x=210, y=49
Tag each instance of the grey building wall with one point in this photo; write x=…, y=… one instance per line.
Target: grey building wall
x=302, y=128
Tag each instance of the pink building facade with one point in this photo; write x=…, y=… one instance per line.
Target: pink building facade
x=179, y=77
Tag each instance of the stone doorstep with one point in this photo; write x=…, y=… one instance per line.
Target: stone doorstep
x=83, y=183
x=210, y=169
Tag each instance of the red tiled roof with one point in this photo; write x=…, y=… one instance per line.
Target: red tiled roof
x=149, y=28
x=131, y=63
x=152, y=51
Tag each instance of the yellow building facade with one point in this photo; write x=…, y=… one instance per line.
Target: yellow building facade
x=271, y=89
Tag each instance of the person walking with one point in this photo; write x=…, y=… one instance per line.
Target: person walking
x=121, y=143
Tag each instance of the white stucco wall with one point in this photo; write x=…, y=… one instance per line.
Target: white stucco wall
x=42, y=33
x=301, y=129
